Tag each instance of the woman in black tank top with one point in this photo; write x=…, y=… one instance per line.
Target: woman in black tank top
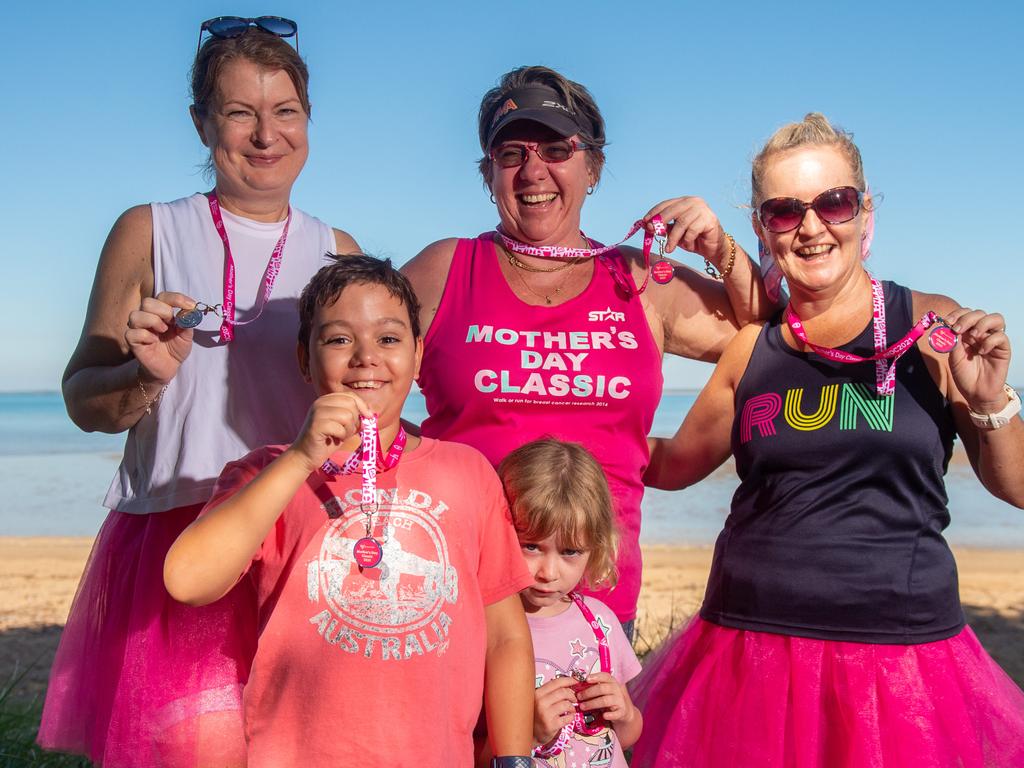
x=831, y=632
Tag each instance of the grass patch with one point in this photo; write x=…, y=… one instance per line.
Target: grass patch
x=19, y=723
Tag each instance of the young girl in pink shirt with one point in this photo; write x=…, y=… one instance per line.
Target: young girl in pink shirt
x=562, y=511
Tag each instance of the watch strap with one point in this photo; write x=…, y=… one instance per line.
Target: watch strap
x=1000, y=418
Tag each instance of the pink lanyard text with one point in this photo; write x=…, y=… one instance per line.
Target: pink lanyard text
x=227, y=332
x=623, y=279
x=885, y=371
x=370, y=458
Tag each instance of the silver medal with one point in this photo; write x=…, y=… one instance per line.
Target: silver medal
x=188, y=318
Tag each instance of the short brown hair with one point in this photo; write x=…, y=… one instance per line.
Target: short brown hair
x=556, y=488
x=355, y=269
x=575, y=96
x=261, y=48
x=813, y=130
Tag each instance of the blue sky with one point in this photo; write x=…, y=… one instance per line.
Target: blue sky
x=96, y=119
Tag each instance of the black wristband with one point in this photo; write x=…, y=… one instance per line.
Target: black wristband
x=512, y=761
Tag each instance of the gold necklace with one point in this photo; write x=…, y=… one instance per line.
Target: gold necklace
x=558, y=289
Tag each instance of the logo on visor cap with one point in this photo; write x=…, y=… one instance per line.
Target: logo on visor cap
x=507, y=107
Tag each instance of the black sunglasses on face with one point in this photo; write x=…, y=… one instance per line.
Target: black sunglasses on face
x=233, y=26
x=833, y=206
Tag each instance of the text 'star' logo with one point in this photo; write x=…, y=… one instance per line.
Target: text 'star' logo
x=603, y=315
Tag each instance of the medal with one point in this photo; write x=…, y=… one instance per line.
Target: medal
x=662, y=272
x=190, y=318
x=942, y=338
x=367, y=551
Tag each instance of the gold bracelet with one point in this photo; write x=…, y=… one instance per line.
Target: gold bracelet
x=710, y=269
x=145, y=396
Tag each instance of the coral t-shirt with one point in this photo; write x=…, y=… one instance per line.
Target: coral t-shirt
x=385, y=665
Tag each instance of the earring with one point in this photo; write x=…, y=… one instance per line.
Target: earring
x=590, y=189
x=493, y=201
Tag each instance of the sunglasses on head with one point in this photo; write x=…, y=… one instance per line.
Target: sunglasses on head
x=833, y=206
x=512, y=154
x=233, y=26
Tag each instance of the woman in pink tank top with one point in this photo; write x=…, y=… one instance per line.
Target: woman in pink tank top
x=520, y=346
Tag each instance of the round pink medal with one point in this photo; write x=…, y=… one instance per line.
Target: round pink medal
x=942, y=339
x=662, y=272
x=368, y=552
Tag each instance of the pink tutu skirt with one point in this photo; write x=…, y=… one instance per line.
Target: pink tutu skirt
x=725, y=698
x=140, y=679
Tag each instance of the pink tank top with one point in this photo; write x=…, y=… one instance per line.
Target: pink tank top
x=498, y=372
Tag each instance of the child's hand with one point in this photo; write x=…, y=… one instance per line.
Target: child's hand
x=607, y=694
x=332, y=419
x=553, y=708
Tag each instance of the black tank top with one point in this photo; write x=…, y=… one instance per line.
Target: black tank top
x=836, y=529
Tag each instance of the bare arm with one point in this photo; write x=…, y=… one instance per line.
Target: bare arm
x=100, y=383
x=702, y=442
x=208, y=557
x=428, y=273
x=972, y=377
x=508, y=681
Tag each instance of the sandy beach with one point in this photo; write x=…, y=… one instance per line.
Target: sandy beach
x=38, y=577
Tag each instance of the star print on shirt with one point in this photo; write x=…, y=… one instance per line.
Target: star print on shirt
x=607, y=629
x=578, y=648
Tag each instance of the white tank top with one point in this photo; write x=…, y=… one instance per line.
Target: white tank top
x=227, y=399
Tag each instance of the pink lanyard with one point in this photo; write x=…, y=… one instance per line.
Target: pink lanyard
x=227, y=332
x=623, y=280
x=370, y=458
x=579, y=724
x=885, y=373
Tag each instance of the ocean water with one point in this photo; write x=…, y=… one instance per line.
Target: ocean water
x=53, y=478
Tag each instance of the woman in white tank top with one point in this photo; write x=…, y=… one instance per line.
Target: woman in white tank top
x=139, y=679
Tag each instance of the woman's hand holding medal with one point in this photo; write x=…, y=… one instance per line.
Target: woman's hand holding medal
x=694, y=227
x=980, y=362
x=332, y=419
x=157, y=342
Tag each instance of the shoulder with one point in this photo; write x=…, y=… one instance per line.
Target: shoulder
x=127, y=255
x=432, y=261
x=344, y=242
x=256, y=460
x=738, y=351
x=934, y=302
x=465, y=456
x=135, y=225
x=600, y=609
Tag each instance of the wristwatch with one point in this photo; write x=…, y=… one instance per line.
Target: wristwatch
x=510, y=761
x=1001, y=418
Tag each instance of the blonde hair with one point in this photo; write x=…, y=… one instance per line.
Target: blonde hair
x=558, y=489
x=814, y=130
